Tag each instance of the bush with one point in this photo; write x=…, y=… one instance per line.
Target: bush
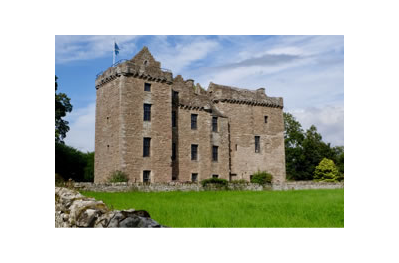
x=215, y=181
x=89, y=169
x=261, y=178
x=326, y=171
x=241, y=181
x=118, y=177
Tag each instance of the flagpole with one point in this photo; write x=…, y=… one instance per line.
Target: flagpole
x=113, y=54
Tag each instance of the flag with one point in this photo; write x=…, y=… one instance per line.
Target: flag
x=116, y=49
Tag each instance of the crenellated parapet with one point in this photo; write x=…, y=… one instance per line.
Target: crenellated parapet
x=221, y=93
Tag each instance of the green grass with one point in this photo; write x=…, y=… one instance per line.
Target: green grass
x=305, y=208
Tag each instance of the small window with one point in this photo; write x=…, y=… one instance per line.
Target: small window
x=173, y=151
x=236, y=147
x=215, y=153
x=146, y=176
x=265, y=119
x=175, y=95
x=194, y=152
x=215, y=176
x=173, y=118
x=194, y=121
x=146, y=147
x=194, y=177
x=147, y=112
x=257, y=144
x=215, y=124
x=174, y=177
x=250, y=177
x=147, y=87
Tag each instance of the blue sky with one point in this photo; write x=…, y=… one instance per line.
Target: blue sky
x=307, y=71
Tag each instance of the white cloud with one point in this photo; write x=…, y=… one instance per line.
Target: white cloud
x=82, y=128
x=73, y=48
x=328, y=120
x=183, y=54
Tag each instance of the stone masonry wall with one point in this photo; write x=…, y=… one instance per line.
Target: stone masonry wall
x=107, y=131
x=246, y=122
x=178, y=186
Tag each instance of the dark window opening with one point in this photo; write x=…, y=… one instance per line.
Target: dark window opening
x=194, y=151
x=236, y=147
x=147, y=112
x=175, y=95
x=257, y=144
x=173, y=119
x=215, y=176
x=194, y=177
x=215, y=153
x=194, y=121
x=173, y=151
x=146, y=147
x=174, y=177
x=250, y=177
x=265, y=119
x=215, y=124
x=147, y=87
x=146, y=176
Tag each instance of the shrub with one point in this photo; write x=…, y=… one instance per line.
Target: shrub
x=89, y=169
x=241, y=181
x=326, y=171
x=118, y=177
x=215, y=181
x=261, y=178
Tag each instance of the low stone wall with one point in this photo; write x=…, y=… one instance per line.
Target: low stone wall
x=179, y=186
x=303, y=185
x=75, y=210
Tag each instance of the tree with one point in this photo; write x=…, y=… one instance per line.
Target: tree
x=326, y=171
x=293, y=139
x=62, y=107
x=305, y=150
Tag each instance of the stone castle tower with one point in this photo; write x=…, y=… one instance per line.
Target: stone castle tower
x=157, y=128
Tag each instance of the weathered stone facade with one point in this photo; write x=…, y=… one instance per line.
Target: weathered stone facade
x=228, y=122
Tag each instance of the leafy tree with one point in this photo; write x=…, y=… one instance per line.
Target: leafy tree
x=89, y=169
x=305, y=150
x=62, y=107
x=326, y=171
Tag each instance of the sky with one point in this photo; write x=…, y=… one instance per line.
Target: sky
x=307, y=71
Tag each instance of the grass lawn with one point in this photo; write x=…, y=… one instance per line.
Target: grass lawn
x=304, y=208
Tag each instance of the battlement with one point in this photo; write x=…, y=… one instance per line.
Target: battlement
x=143, y=66
x=242, y=96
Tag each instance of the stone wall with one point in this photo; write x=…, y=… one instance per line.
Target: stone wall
x=179, y=186
x=75, y=210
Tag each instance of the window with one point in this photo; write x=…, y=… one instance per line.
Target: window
x=173, y=151
x=194, y=177
x=194, y=151
x=173, y=119
x=215, y=124
x=146, y=176
x=257, y=144
x=265, y=119
x=175, y=95
x=147, y=87
x=147, y=112
x=146, y=147
x=215, y=153
x=194, y=121
x=236, y=147
x=215, y=176
x=174, y=177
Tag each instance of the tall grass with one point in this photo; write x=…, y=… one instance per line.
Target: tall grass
x=306, y=208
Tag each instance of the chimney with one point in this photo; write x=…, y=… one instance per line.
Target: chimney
x=190, y=82
x=261, y=91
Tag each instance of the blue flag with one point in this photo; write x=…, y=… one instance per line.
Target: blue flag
x=116, y=49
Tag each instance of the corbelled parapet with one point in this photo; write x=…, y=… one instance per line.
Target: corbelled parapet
x=243, y=96
x=143, y=66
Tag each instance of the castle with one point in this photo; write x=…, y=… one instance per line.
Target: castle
x=157, y=128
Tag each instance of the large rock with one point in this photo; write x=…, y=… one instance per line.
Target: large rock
x=75, y=210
